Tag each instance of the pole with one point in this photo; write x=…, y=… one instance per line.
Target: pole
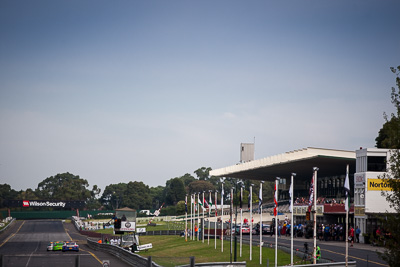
x=216, y=221
x=236, y=217
x=347, y=222
x=186, y=230
x=315, y=214
x=241, y=221
x=198, y=216
x=261, y=222
x=291, y=219
x=231, y=222
x=251, y=221
x=191, y=217
x=209, y=215
x=276, y=222
x=202, y=225
x=222, y=218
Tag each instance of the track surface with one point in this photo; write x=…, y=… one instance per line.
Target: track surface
x=25, y=244
x=363, y=254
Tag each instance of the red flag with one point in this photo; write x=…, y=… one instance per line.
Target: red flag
x=205, y=203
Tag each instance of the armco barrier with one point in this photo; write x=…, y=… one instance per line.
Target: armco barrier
x=131, y=258
x=10, y=223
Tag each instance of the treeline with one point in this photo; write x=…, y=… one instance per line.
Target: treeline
x=136, y=195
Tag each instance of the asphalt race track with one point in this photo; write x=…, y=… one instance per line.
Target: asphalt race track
x=363, y=254
x=25, y=244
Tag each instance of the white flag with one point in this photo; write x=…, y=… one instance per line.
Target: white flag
x=347, y=190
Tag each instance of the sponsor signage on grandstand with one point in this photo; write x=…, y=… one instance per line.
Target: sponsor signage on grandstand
x=38, y=203
x=378, y=185
x=44, y=203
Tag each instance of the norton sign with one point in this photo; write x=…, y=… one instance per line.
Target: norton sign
x=38, y=203
x=378, y=185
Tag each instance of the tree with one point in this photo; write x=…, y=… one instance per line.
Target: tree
x=203, y=173
x=390, y=138
x=174, y=191
x=157, y=196
x=389, y=134
x=137, y=196
x=112, y=196
x=7, y=193
x=65, y=186
x=200, y=186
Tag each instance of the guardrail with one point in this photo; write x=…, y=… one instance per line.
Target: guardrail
x=11, y=222
x=131, y=258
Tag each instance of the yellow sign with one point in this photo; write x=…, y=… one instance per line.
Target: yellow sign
x=378, y=185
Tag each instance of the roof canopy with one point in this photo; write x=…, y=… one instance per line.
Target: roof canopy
x=329, y=161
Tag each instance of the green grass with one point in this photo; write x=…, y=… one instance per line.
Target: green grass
x=174, y=250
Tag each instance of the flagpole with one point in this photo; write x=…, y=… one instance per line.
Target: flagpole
x=260, y=199
x=186, y=230
x=191, y=216
x=291, y=219
x=209, y=214
x=231, y=221
x=251, y=220
x=222, y=218
x=315, y=214
x=347, y=187
x=241, y=220
x=276, y=220
x=198, y=216
x=202, y=230
x=216, y=220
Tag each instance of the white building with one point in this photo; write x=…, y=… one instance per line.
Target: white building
x=371, y=165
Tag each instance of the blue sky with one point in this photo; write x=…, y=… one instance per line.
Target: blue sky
x=118, y=91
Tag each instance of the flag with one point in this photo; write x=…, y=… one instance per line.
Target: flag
x=311, y=198
x=210, y=200
x=347, y=190
x=275, y=200
x=291, y=197
x=249, y=201
x=200, y=202
x=260, y=200
x=186, y=204
x=205, y=203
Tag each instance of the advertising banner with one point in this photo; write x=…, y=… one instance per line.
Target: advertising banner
x=378, y=185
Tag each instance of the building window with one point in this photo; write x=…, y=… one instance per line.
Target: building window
x=376, y=164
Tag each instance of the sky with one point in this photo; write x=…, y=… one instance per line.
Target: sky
x=119, y=91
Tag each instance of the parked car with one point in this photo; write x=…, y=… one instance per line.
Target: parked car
x=245, y=229
x=70, y=246
x=266, y=229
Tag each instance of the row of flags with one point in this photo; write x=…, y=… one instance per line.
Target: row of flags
x=205, y=205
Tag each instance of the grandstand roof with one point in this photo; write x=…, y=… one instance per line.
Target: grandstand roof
x=330, y=162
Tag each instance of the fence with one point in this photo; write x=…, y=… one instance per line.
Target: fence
x=131, y=258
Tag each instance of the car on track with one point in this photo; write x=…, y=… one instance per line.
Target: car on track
x=70, y=246
x=55, y=245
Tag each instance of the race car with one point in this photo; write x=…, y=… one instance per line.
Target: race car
x=55, y=245
x=70, y=246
